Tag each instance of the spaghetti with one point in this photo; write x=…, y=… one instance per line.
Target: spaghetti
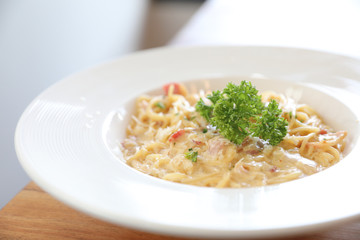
x=168, y=139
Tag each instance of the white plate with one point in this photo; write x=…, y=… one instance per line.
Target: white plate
x=67, y=140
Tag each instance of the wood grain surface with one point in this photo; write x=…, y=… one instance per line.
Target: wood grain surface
x=34, y=214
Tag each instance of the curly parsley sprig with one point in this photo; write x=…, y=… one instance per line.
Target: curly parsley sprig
x=191, y=155
x=237, y=112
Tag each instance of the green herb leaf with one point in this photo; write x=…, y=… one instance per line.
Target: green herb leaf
x=205, y=110
x=270, y=126
x=237, y=112
x=191, y=155
x=190, y=119
x=160, y=105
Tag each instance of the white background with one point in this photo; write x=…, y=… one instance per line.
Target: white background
x=43, y=41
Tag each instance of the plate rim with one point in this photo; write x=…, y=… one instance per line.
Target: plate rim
x=58, y=194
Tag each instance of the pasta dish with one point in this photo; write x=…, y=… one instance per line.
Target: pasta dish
x=167, y=138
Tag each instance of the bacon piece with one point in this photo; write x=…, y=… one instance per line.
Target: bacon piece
x=323, y=131
x=332, y=139
x=246, y=167
x=216, y=145
x=253, y=152
x=176, y=134
x=177, y=88
x=197, y=142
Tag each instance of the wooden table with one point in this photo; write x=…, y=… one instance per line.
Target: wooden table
x=34, y=214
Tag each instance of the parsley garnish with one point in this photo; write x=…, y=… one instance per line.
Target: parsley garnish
x=190, y=118
x=237, y=112
x=191, y=155
x=160, y=105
